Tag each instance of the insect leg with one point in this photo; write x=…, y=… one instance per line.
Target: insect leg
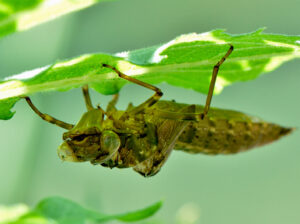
x=213, y=81
x=152, y=100
x=87, y=98
x=112, y=104
x=47, y=117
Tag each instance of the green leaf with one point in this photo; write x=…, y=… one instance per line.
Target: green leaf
x=130, y=216
x=141, y=214
x=61, y=210
x=32, y=218
x=64, y=211
x=19, y=15
x=186, y=61
x=57, y=210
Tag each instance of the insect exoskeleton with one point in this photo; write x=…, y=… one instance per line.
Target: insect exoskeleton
x=144, y=136
x=89, y=141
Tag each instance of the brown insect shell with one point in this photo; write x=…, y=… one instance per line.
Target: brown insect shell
x=91, y=139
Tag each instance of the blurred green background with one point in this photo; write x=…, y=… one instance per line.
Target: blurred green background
x=259, y=186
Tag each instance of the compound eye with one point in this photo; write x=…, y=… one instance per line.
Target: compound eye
x=110, y=143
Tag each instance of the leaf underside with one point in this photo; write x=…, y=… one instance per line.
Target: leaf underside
x=186, y=61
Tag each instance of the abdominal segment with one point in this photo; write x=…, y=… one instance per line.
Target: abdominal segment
x=227, y=137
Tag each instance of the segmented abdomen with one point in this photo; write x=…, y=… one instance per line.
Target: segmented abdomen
x=226, y=137
x=223, y=131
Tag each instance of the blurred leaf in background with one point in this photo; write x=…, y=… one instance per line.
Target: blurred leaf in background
x=8, y=213
x=57, y=210
x=19, y=15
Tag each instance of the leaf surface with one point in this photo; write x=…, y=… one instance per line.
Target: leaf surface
x=186, y=61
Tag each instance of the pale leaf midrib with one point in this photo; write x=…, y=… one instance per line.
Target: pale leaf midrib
x=92, y=77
